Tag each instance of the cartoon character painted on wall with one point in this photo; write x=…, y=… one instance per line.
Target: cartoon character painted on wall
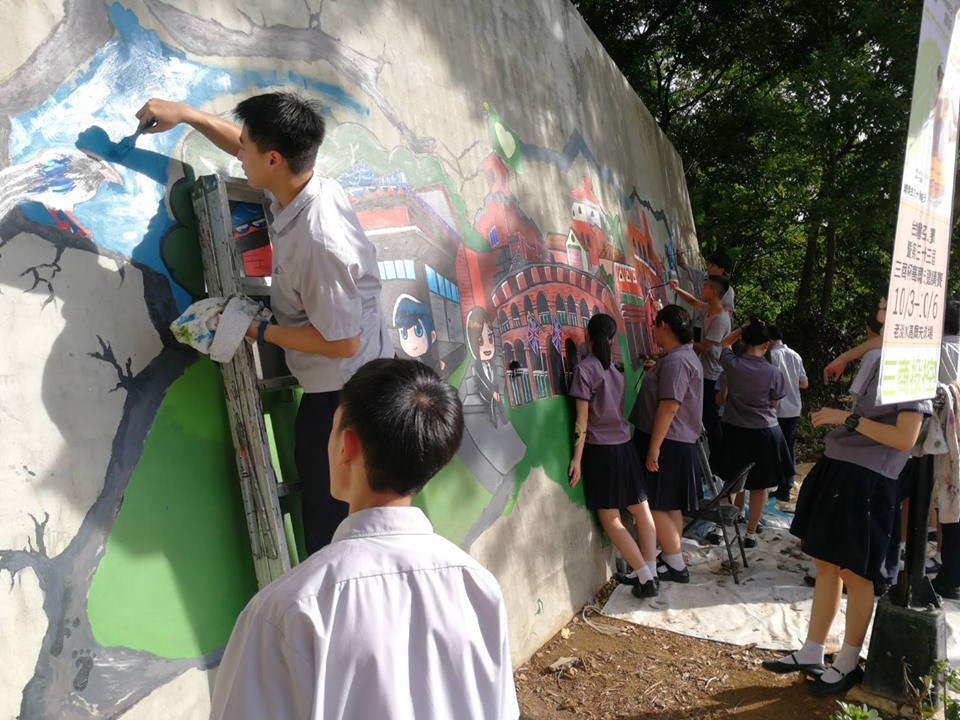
x=491, y=447
x=414, y=323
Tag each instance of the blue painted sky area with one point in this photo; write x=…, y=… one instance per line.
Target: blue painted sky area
x=130, y=69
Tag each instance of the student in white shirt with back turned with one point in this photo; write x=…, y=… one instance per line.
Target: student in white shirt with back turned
x=390, y=620
x=788, y=411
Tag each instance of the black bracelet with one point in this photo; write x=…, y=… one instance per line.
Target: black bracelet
x=261, y=340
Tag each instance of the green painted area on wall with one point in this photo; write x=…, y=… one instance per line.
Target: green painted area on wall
x=177, y=568
x=632, y=379
x=546, y=427
x=179, y=249
x=452, y=500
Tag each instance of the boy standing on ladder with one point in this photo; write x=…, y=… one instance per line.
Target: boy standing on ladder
x=325, y=290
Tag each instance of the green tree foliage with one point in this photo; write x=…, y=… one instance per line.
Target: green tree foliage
x=791, y=118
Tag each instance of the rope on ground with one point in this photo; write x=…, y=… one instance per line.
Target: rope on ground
x=603, y=629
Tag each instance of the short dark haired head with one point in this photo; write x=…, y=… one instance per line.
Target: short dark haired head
x=721, y=260
x=678, y=320
x=755, y=333
x=951, y=318
x=720, y=284
x=602, y=329
x=774, y=332
x=874, y=324
x=286, y=123
x=409, y=422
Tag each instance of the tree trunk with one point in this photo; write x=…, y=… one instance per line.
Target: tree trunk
x=805, y=289
x=830, y=269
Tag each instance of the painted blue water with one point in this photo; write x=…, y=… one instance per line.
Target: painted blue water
x=97, y=106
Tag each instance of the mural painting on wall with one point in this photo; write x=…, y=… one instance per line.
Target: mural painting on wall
x=99, y=243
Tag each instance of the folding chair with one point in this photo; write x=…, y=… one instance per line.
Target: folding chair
x=724, y=514
x=703, y=454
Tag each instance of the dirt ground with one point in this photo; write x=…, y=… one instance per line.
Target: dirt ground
x=623, y=671
x=628, y=672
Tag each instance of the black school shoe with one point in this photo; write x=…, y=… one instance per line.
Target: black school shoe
x=789, y=664
x=649, y=589
x=667, y=573
x=821, y=688
x=626, y=579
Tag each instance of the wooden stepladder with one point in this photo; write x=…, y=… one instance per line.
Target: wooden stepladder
x=254, y=372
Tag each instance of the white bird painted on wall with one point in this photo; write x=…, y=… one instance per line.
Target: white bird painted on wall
x=58, y=179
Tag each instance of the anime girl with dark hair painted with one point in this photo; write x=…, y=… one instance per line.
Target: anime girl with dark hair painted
x=491, y=447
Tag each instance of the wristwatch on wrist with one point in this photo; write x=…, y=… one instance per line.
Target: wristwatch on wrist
x=852, y=421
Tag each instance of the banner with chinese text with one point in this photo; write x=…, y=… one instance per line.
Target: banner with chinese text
x=913, y=328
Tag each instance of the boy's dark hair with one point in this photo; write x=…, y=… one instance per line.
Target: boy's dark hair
x=951, y=318
x=774, y=332
x=720, y=284
x=287, y=123
x=602, y=329
x=678, y=320
x=721, y=260
x=408, y=420
x=755, y=333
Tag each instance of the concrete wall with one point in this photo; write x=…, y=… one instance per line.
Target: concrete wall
x=505, y=171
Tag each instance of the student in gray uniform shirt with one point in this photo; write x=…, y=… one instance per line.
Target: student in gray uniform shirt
x=716, y=326
x=667, y=417
x=604, y=455
x=718, y=264
x=847, y=518
x=751, y=432
x=325, y=292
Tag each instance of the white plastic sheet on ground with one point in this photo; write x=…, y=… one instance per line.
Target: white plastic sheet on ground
x=770, y=606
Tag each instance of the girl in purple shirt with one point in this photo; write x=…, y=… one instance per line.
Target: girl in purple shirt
x=751, y=432
x=603, y=453
x=668, y=417
x=847, y=517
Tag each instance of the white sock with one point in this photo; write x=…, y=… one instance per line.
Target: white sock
x=643, y=573
x=846, y=660
x=751, y=535
x=652, y=567
x=810, y=654
x=674, y=561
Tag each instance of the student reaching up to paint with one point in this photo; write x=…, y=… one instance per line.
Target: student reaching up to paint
x=603, y=454
x=325, y=290
x=716, y=326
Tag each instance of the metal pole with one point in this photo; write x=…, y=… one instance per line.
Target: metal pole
x=909, y=628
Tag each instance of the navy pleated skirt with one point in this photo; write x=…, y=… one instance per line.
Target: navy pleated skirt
x=849, y=516
x=765, y=447
x=611, y=476
x=676, y=485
